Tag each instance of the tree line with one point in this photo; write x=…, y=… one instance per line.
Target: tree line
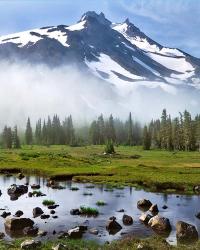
x=180, y=133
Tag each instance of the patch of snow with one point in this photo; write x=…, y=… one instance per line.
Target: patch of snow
x=176, y=64
x=23, y=38
x=77, y=26
x=146, y=66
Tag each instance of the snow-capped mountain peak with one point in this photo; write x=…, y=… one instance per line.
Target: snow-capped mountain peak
x=119, y=53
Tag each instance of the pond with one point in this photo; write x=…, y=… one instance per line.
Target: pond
x=180, y=207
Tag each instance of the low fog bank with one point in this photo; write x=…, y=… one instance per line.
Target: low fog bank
x=39, y=91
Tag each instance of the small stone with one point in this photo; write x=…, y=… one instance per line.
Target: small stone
x=127, y=220
x=94, y=231
x=19, y=213
x=60, y=246
x=30, y=244
x=44, y=216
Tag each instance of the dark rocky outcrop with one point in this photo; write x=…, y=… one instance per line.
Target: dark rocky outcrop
x=37, y=211
x=15, y=224
x=19, y=213
x=160, y=225
x=31, y=244
x=113, y=226
x=186, y=232
x=145, y=218
x=127, y=220
x=144, y=204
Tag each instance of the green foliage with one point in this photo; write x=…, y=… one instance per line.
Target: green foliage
x=109, y=148
x=48, y=202
x=101, y=203
x=89, y=211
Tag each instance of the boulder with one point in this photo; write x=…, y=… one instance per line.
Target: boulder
x=31, y=244
x=42, y=233
x=165, y=207
x=30, y=231
x=15, y=224
x=17, y=190
x=94, y=231
x=160, y=224
x=45, y=216
x=5, y=214
x=154, y=209
x=113, y=226
x=52, y=212
x=2, y=235
x=37, y=211
x=127, y=220
x=75, y=233
x=53, y=206
x=60, y=246
x=35, y=186
x=145, y=218
x=144, y=204
x=19, y=213
x=20, y=176
x=186, y=232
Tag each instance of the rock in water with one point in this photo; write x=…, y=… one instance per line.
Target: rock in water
x=144, y=204
x=75, y=233
x=19, y=213
x=113, y=226
x=154, y=209
x=145, y=218
x=60, y=246
x=31, y=244
x=186, y=232
x=160, y=224
x=17, y=224
x=37, y=211
x=127, y=220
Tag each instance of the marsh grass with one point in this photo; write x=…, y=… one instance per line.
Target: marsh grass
x=48, y=202
x=101, y=203
x=89, y=211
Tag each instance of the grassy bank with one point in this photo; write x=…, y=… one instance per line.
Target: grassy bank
x=155, y=170
x=126, y=244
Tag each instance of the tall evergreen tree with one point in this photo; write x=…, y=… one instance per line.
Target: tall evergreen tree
x=16, y=141
x=29, y=133
x=7, y=137
x=146, y=138
x=130, y=131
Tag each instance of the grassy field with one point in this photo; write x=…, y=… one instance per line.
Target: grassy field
x=154, y=243
x=154, y=170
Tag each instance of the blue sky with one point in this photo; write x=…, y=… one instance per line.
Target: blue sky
x=174, y=23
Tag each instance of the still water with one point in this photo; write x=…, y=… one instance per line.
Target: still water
x=180, y=207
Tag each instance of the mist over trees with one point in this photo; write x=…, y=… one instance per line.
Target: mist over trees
x=179, y=133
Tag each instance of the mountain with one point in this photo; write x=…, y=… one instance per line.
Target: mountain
x=120, y=54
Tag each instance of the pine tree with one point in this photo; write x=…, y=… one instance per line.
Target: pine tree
x=130, y=130
x=38, y=132
x=110, y=129
x=16, y=141
x=94, y=133
x=163, y=130
x=29, y=133
x=146, y=138
x=101, y=126
x=7, y=137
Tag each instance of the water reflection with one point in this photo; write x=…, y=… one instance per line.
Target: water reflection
x=182, y=207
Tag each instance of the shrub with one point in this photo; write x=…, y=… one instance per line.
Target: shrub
x=74, y=188
x=89, y=211
x=101, y=203
x=109, y=148
x=48, y=202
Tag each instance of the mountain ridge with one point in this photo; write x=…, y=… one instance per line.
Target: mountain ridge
x=118, y=53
